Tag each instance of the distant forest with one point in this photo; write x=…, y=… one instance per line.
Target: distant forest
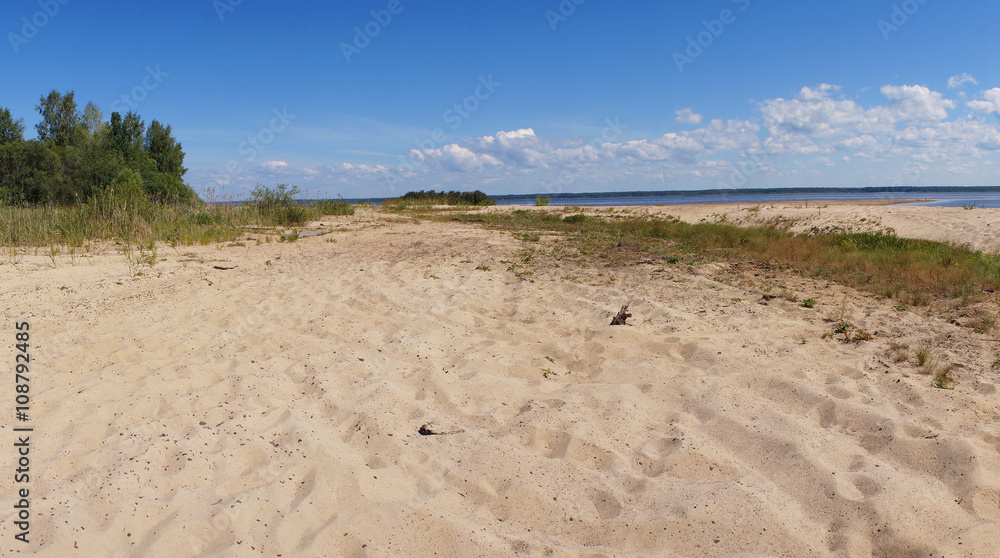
x=79, y=156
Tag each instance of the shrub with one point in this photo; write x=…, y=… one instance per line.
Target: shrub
x=338, y=206
x=440, y=198
x=277, y=206
x=542, y=201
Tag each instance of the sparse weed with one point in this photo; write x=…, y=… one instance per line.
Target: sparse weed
x=862, y=335
x=982, y=325
x=809, y=303
x=944, y=377
x=898, y=352
x=923, y=356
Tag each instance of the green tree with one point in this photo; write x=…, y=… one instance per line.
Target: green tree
x=61, y=124
x=10, y=130
x=126, y=134
x=164, y=149
x=93, y=119
x=29, y=172
x=99, y=164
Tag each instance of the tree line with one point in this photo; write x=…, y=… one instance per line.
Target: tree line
x=79, y=156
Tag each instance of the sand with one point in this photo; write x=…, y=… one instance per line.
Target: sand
x=275, y=408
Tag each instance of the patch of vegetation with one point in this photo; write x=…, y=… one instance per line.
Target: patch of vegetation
x=483, y=267
x=542, y=201
x=982, y=325
x=809, y=303
x=911, y=271
x=923, y=356
x=862, y=335
x=431, y=197
x=944, y=378
x=898, y=352
x=338, y=206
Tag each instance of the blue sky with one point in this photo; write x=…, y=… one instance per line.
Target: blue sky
x=515, y=96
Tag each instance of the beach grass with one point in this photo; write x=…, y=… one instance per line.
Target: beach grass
x=80, y=225
x=910, y=270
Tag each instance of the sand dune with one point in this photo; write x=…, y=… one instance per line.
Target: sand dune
x=274, y=408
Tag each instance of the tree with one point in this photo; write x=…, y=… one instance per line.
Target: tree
x=93, y=119
x=61, y=124
x=29, y=172
x=126, y=134
x=164, y=149
x=11, y=130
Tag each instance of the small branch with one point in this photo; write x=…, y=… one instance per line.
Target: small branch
x=622, y=315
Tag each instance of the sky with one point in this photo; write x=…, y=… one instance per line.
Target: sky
x=374, y=98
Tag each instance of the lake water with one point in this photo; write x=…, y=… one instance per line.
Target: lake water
x=944, y=199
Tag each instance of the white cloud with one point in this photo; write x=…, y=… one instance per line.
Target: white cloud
x=818, y=135
x=956, y=82
x=816, y=113
x=990, y=105
x=688, y=116
x=274, y=165
x=916, y=102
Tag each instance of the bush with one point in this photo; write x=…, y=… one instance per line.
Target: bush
x=124, y=193
x=338, y=206
x=442, y=198
x=277, y=206
x=542, y=201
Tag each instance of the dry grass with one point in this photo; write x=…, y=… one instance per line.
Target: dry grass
x=911, y=271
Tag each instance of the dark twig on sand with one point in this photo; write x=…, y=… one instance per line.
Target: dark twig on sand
x=622, y=315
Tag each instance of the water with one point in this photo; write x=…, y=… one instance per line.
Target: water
x=925, y=197
x=980, y=199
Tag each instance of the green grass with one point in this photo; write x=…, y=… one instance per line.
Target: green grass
x=809, y=303
x=104, y=219
x=911, y=271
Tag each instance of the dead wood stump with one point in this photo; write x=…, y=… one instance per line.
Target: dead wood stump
x=622, y=315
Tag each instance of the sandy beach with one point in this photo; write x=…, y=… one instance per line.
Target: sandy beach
x=391, y=389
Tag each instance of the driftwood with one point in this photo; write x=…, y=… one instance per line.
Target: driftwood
x=622, y=315
x=224, y=268
x=431, y=429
